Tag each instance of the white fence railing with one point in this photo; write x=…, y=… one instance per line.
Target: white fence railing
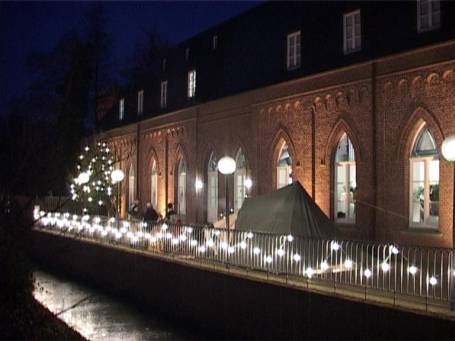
x=414, y=272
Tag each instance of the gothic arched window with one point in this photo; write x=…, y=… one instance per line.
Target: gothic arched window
x=424, y=181
x=345, y=181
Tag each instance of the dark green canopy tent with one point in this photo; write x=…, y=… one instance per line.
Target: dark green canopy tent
x=289, y=210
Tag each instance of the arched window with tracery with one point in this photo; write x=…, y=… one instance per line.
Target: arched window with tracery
x=239, y=180
x=212, y=189
x=284, y=167
x=181, y=188
x=345, y=181
x=154, y=185
x=131, y=186
x=424, y=181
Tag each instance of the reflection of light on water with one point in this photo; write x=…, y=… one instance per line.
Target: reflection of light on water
x=93, y=315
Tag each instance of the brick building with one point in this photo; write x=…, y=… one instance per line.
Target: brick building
x=351, y=99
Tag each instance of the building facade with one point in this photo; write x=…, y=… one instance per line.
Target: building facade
x=355, y=113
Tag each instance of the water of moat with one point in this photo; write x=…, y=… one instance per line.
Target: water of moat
x=97, y=316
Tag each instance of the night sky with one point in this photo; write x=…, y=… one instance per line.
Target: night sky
x=28, y=26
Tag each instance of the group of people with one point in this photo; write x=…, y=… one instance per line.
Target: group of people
x=150, y=214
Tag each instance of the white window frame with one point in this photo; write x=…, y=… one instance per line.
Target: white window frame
x=121, y=109
x=154, y=186
x=214, y=42
x=426, y=202
x=181, y=188
x=212, y=196
x=352, y=47
x=283, y=171
x=431, y=25
x=191, y=83
x=131, y=186
x=239, y=188
x=348, y=201
x=163, y=99
x=293, y=54
x=140, y=102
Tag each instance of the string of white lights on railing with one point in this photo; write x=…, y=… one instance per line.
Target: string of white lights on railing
x=142, y=235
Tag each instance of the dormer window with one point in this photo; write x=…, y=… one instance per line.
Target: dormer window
x=121, y=109
x=352, y=36
x=214, y=42
x=293, y=51
x=187, y=53
x=140, y=102
x=428, y=15
x=191, y=83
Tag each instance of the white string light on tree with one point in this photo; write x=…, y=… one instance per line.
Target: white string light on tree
x=92, y=187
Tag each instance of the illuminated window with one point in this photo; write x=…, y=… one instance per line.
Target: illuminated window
x=293, y=50
x=214, y=42
x=345, y=181
x=181, y=188
x=131, y=187
x=121, y=109
x=284, y=168
x=154, y=185
x=352, y=32
x=428, y=15
x=140, y=102
x=212, y=190
x=424, y=182
x=163, y=102
x=191, y=83
x=239, y=180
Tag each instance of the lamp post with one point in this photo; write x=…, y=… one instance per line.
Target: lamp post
x=226, y=166
x=117, y=176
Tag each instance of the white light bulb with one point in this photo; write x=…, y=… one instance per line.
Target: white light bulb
x=164, y=227
x=296, y=258
x=385, y=266
x=250, y=235
x=412, y=269
x=433, y=280
x=242, y=245
x=335, y=246
x=224, y=245
x=201, y=249
x=248, y=183
x=348, y=264
x=324, y=265
x=367, y=273
x=395, y=250
x=290, y=238
x=193, y=242
x=309, y=272
x=268, y=259
x=281, y=252
x=256, y=250
x=231, y=249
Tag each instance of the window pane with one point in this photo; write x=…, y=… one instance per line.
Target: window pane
x=341, y=193
x=352, y=190
x=435, y=6
x=436, y=19
x=418, y=202
x=418, y=171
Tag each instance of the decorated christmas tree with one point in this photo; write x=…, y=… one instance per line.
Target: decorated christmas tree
x=93, y=187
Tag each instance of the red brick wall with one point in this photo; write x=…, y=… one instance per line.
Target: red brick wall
x=380, y=105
